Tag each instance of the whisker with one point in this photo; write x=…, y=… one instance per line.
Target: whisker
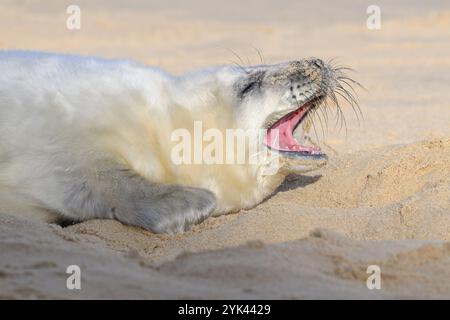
x=310, y=120
x=348, y=94
x=341, y=80
x=261, y=56
x=353, y=81
x=352, y=100
x=340, y=113
x=316, y=114
x=349, y=98
x=235, y=54
x=249, y=63
x=333, y=98
x=314, y=126
x=324, y=110
x=339, y=68
x=238, y=65
x=351, y=104
x=331, y=61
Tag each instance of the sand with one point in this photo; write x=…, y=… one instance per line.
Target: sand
x=383, y=199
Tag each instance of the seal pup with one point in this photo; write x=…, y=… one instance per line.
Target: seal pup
x=84, y=137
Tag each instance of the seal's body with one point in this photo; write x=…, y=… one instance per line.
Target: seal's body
x=85, y=137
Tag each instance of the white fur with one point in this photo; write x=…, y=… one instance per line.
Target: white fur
x=59, y=108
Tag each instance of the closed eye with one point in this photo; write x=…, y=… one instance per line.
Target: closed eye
x=254, y=81
x=248, y=88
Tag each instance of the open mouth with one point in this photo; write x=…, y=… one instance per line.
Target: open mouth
x=280, y=136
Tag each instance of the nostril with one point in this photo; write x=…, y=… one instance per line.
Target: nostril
x=318, y=63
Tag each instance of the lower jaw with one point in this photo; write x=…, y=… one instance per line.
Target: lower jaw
x=301, y=155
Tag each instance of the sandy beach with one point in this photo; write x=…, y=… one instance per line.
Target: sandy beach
x=383, y=199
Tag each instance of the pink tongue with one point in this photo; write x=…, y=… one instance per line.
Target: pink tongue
x=283, y=131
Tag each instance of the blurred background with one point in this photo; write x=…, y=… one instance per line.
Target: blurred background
x=405, y=65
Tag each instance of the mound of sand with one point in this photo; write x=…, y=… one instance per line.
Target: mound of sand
x=399, y=192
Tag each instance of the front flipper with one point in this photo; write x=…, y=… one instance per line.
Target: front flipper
x=113, y=192
x=173, y=209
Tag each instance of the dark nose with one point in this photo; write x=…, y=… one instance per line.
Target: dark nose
x=318, y=63
x=313, y=71
x=308, y=63
x=314, y=68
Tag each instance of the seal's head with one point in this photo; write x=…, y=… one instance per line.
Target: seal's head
x=282, y=98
